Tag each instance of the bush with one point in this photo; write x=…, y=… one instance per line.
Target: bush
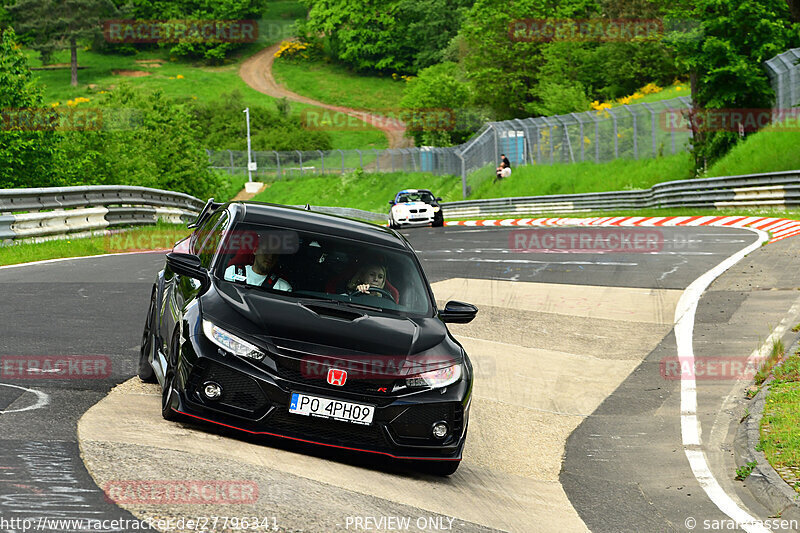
x=27, y=158
x=225, y=128
x=157, y=147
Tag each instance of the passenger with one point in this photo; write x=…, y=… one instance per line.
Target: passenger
x=261, y=272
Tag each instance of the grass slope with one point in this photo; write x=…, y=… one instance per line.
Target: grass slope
x=334, y=84
x=618, y=175
x=770, y=150
x=370, y=192
x=161, y=236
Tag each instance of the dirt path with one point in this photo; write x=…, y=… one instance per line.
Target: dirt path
x=256, y=72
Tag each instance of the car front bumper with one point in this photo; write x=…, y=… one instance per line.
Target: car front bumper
x=257, y=402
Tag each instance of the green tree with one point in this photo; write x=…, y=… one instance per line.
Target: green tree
x=724, y=54
x=56, y=24
x=27, y=158
x=385, y=35
x=214, y=52
x=503, y=64
x=439, y=105
x=224, y=127
x=146, y=139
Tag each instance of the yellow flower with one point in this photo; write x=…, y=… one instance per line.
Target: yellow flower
x=678, y=88
x=179, y=76
x=194, y=97
x=55, y=104
x=651, y=88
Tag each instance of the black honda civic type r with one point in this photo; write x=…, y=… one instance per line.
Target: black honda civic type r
x=286, y=322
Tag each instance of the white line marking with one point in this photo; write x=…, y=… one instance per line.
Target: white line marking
x=60, y=259
x=529, y=261
x=42, y=399
x=690, y=424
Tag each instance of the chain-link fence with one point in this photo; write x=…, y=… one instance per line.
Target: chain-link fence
x=784, y=74
x=636, y=131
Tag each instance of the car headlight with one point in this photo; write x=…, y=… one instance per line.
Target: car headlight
x=230, y=342
x=436, y=378
x=436, y=209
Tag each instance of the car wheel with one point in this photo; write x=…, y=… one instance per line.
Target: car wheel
x=168, y=391
x=442, y=468
x=146, y=373
x=438, y=222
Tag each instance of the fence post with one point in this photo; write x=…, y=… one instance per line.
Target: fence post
x=377, y=160
x=580, y=122
x=342, y=154
x=278, y=163
x=299, y=153
x=653, y=133
x=566, y=140
x=360, y=159
x=494, y=134
x=231, y=154
x=616, y=132
x=635, y=144
x=322, y=158
x=463, y=174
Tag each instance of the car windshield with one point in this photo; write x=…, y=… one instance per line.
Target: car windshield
x=302, y=265
x=421, y=196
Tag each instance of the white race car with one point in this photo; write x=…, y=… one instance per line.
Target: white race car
x=415, y=207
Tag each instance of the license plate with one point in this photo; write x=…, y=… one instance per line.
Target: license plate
x=355, y=413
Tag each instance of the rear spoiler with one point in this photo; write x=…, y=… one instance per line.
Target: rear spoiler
x=207, y=211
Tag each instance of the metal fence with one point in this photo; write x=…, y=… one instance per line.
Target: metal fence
x=632, y=131
x=636, y=131
x=784, y=74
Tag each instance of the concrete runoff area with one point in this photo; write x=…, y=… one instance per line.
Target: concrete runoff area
x=531, y=392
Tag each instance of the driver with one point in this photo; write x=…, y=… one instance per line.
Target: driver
x=368, y=276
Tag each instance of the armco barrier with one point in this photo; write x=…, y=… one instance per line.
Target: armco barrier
x=775, y=189
x=46, y=213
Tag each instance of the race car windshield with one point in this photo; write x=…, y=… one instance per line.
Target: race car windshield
x=416, y=197
x=300, y=265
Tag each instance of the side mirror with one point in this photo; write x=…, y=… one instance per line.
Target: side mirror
x=438, y=199
x=391, y=202
x=189, y=265
x=458, y=312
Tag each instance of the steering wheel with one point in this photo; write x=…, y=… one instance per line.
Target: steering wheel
x=372, y=289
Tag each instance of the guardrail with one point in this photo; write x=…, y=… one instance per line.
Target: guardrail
x=46, y=213
x=55, y=212
x=774, y=189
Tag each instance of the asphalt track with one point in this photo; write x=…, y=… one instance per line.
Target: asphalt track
x=623, y=467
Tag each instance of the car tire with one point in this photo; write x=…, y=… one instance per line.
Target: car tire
x=146, y=373
x=442, y=468
x=168, y=390
x=437, y=222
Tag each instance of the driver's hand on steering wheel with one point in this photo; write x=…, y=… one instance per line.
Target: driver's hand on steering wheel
x=364, y=287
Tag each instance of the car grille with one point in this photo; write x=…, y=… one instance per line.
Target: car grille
x=327, y=431
x=289, y=369
x=239, y=391
x=416, y=421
